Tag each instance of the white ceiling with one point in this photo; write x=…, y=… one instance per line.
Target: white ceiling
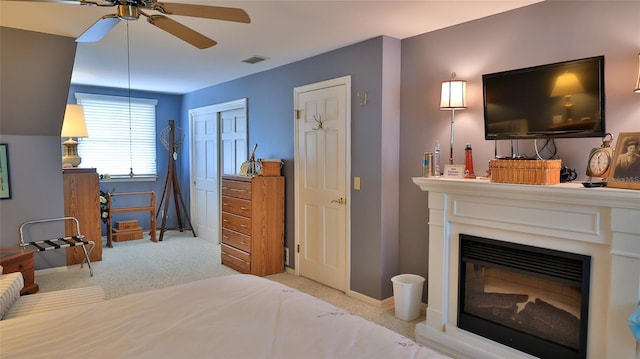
x=282, y=31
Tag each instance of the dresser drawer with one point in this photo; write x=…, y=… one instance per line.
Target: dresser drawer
x=237, y=240
x=236, y=189
x=237, y=206
x=22, y=264
x=235, y=259
x=19, y=260
x=236, y=223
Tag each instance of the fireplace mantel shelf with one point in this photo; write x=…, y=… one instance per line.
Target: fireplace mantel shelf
x=573, y=192
x=598, y=222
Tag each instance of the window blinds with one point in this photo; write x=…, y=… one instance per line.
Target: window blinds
x=122, y=135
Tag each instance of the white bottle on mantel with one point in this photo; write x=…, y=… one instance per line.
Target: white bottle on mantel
x=436, y=160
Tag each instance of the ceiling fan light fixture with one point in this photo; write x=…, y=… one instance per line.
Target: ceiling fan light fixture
x=128, y=12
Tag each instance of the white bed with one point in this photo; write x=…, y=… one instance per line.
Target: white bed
x=236, y=316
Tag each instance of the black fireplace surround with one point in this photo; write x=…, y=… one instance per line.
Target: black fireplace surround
x=509, y=292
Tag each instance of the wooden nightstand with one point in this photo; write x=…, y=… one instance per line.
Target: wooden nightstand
x=20, y=260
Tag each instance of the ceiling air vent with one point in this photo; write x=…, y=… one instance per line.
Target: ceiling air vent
x=254, y=59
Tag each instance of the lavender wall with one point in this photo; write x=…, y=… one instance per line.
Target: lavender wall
x=32, y=103
x=542, y=33
x=270, y=106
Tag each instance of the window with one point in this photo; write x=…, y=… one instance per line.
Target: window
x=122, y=135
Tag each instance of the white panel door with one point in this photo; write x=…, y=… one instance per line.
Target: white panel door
x=209, y=154
x=205, y=202
x=322, y=181
x=233, y=140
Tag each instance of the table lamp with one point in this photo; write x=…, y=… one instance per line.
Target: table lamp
x=74, y=125
x=637, y=89
x=453, y=97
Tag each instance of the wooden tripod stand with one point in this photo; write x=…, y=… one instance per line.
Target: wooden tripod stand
x=171, y=185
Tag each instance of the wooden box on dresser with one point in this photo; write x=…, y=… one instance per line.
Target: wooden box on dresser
x=253, y=224
x=82, y=200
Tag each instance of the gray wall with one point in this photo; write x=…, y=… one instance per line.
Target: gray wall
x=542, y=33
x=36, y=71
x=373, y=66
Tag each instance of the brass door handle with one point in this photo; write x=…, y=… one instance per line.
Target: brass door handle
x=338, y=201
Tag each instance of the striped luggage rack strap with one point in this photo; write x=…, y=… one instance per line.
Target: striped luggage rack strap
x=60, y=242
x=57, y=243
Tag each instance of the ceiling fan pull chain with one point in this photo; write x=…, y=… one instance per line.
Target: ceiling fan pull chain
x=129, y=90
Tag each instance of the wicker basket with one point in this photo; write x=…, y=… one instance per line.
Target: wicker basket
x=540, y=172
x=269, y=167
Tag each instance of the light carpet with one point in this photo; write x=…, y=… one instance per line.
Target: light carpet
x=140, y=265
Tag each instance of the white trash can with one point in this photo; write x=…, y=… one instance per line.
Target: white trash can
x=407, y=295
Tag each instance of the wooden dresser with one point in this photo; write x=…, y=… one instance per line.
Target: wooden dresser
x=20, y=260
x=82, y=200
x=253, y=224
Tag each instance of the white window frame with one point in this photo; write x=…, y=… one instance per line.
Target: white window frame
x=122, y=137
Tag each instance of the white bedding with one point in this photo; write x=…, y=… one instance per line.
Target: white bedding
x=236, y=316
x=10, y=286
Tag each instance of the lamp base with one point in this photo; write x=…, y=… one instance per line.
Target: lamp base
x=70, y=157
x=453, y=171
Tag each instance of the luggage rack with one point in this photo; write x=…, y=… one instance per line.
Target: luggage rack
x=58, y=243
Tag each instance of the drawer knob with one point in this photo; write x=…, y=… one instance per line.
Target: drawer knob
x=21, y=266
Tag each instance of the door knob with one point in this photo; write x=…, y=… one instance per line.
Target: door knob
x=338, y=201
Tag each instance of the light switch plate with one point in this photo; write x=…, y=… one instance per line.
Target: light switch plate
x=356, y=183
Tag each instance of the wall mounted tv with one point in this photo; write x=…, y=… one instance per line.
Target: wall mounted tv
x=564, y=99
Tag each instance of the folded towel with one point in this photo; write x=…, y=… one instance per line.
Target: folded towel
x=634, y=323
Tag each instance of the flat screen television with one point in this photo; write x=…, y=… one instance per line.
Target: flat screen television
x=564, y=99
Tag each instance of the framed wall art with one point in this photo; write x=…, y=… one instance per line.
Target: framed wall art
x=625, y=170
x=5, y=190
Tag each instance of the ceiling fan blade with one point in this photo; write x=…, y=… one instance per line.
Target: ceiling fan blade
x=180, y=31
x=72, y=2
x=204, y=11
x=77, y=2
x=99, y=29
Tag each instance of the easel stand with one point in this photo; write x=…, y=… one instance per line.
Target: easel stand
x=171, y=185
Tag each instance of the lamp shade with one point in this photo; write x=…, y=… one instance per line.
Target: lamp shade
x=454, y=95
x=567, y=84
x=637, y=89
x=74, y=124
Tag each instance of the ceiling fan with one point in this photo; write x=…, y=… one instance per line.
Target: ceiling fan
x=132, y=9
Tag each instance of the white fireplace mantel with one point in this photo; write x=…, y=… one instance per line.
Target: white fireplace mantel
x=603, y=223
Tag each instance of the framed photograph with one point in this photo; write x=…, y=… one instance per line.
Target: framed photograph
x=5, y=190
x=625, y=170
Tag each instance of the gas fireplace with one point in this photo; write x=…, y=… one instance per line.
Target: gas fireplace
x=545, y=271
x=532, y=299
